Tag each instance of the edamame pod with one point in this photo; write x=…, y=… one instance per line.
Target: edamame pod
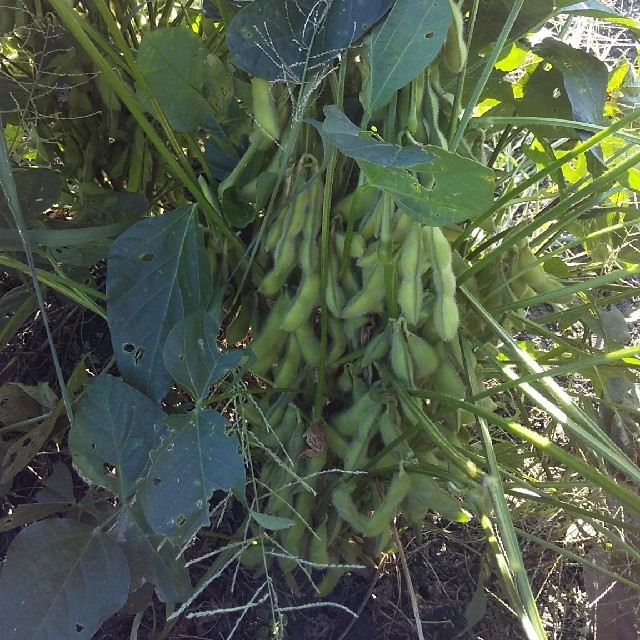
x=300, y=309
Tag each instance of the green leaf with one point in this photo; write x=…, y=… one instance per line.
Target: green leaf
x=599, y=10
x=462, y=189
x=98, y=205
x=403, y=45
x=61, y=579
x=544, y=96
x=158, y=273
x=195, y=458
x=37, y=190
x=355, y=143
x=282, y=41
x=113, y=434
x=152, y=559
x=192, y=356
x=585, y=78
x=273, y=523
x=173, y=62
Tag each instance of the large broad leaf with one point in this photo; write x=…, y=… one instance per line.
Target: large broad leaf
x=585, y=78
x=61, y=579
x=355, y=143
x=195, y=459
x=462, y=189
x=173, y=62
x=152, y=559
x=192, y=356
x=404, y=44
x=544, y=96
x=158, y=273
x=113, y=434
x=283, y=40
x=492, y=15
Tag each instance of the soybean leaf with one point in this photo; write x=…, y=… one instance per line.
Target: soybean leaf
x=281, y=41
x=355, y=143
x=599, y=10
x=152, y=559
x=273, y=523
x=462, y=189
x=403, y=45
x=61, y=579
x=158, y=273
x=29, y=513
x=192, y=356
x=544, y=96
x=585, y=78
x=113, y=434
x=196, y=457
x=173, y=62
x=37, y=188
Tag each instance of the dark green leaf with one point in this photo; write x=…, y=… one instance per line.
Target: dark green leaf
x=195, y=459
x=152, y=559
x=462, y=189
x=158, y=273
x=29, y=513
x=37, y=190
x=173, y=62
x=61, y=579
x=355, y=143
x=404, y=44
x=284, y=40
x=585, y=78
x=58, y=487
x=492, y=15
x=192, y=356
x=113, y=434
x=544, y=96
x=98, y=205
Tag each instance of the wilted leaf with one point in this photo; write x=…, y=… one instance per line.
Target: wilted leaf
x=195, y=458
x=113, y=434
x=61, y=579
x=158, y=273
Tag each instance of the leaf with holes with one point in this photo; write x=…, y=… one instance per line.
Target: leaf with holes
x=173, y=61
x=402, y=46
x=282, y=41
x=113, y=434
x=196, y=457
x=158, y=273
x=192, y=356
x=585, y=78
x=356, y=143
x=151, y=559
x=61, y=579
x=462, y=189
